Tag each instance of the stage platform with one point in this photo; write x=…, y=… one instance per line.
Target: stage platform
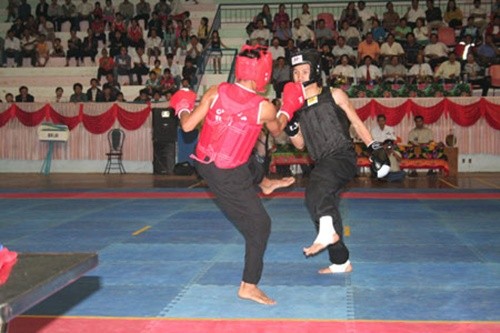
x=425, y=260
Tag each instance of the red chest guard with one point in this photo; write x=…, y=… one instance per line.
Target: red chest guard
x=231, y=127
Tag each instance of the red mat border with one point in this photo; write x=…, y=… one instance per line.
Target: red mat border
x=286, y=195
x=40, y=324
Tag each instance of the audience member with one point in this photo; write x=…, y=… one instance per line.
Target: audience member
x=194, y=50
x=9, y=98
x=112, y=84
x=378, y=31
x=215, y=46
x=368, y=72
x=28, y=47
x=488, y=53
x=366, y=16
x=98, y=27
x=414, y=12
x=140, y=67
x=116, y=41
x=24, y=96
x=126, y=9
x=57, y=49
x=135, y=35
x=474, y=74
x=368, y=47
x=281, y=75
x=402, y=30
x=342, y=48
x=142, y=12
x=78, y=96
x=12, y=49
x=153, y=45
x=343, y=72
x=123, y=64
x=449, y=70
x=189, y=72
x=303, y=36
x=327, y=60
x=382, y=131
x=167, y=82
x=59, y=98
x=84, y=11
x=261, y=34
x=106, y=65
x=107, y=95
x=493, y=29
x=350, y=14
x=305, y=17
x=390, y=18
x=276, y=49
x=433, y=16
x=351, y=34
x=42, y=51
x=412, y=49
x=46, y=28
x=281, y=17
x=479, y=14
x=70, y=15
x=55, y=14
x=421, y=32
x=420, y=72
x=390, y=48
x=420, y=134
x=203, y=31
x=470, y=29
x=453, y=15
x=153, y=83
x=283, y=33
x=24, y=10
x=394, y=71
x=435, y=52
x=74, y=48
x=323, y=34
x=94, y=94
x=89, y=46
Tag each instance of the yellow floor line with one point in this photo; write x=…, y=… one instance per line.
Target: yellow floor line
x=141, y=230
x=447, y=183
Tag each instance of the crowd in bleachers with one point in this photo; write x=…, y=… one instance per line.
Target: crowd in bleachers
x=137, y=43
x=421, y=45
x=156, y=46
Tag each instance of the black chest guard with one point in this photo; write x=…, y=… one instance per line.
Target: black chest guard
x=324, y=126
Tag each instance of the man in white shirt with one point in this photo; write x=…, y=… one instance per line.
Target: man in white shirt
x=84, y=10
x=153, y=45
x=276, y=49
x=28, y=46
x=449, y=71
x=194, y=49
x=175, y=69
x=303, y=36
x=480, y=16
x=343, y=70
x=366, y=15
x=390, y=48
x=342, y=48
x=413, y=13
x=368, y=73
x=261, y=34
x=382, y=132
x=140, y=64
x=435, y=52
x=421, y=71
x=12, y=49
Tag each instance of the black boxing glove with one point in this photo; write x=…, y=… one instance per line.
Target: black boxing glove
x=292, y=128
x=380, y=163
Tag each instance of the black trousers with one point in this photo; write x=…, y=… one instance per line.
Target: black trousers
x=237, y=197
x=328, y=177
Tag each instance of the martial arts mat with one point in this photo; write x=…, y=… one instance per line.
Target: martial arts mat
x=424, y=261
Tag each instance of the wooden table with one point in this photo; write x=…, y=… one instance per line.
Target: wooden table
x=37, y=276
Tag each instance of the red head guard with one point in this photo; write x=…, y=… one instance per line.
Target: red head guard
x=257, y=68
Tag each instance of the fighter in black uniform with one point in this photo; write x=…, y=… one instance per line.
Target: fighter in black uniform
x=322, y=126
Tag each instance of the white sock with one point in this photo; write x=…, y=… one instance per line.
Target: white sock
x=335, y=268
x=326, y=231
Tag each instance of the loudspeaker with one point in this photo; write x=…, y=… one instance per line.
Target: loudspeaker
x=164, y=157
x=165, y=125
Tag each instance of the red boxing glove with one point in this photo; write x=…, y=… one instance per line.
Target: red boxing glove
x=293, y=98
x=183, y=100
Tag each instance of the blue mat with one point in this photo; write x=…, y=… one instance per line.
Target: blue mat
x=413, y=259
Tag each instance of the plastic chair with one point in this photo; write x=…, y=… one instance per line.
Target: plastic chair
x=116, y=137
x=495, y=77
x=446, y=35
x=329, y=20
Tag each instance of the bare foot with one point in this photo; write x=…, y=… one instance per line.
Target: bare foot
x=253, y=293
x=268, y=186
x=318, y=247
x=328, y=270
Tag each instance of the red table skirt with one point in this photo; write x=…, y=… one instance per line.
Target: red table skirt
x=303, y=158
